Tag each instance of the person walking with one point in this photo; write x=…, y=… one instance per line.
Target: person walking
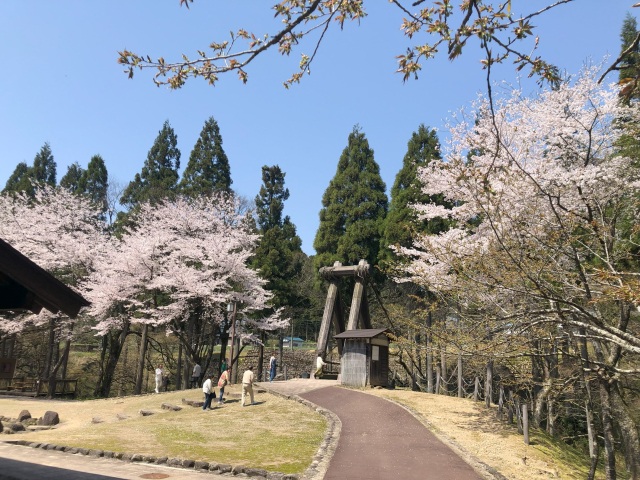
x=247, y=385
x=319, y=364
x=159, y=375
x=222, y=382
x=195, y=375
x=273, y=365
x=207, y=389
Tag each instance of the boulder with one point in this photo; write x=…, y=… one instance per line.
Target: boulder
x=168, y=406
x=49, y=418
x=24, y=415
x=17, y=427
x=146, y=413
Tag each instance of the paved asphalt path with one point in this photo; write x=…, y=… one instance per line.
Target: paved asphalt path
x=380, y=440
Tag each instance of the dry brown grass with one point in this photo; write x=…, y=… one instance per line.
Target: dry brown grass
x=276, y=434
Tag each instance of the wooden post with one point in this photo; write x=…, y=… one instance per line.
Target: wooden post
x=510, y=408
x=429, y=344
x=488, y=384
x=476, y=389
x=525, y=423
x=460, y=389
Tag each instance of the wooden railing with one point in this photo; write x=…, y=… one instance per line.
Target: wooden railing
x=22, y=384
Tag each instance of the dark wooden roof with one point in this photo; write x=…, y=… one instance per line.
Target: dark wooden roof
x=363, y=333
x=26, y=286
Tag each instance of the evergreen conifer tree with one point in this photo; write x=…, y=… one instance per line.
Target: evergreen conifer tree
x=159, y=176
x=73, y=179
x=208, y=168
x=631, y=66
x=402, y=221
x=95, y=182
x=19, y=179
x=354, y=206
x=44, y=166
x=279, y=257
x=25, y=178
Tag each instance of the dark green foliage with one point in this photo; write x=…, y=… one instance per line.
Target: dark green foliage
x=43, y=171
x=629, y=76
x=631, y=64
x=44, y=166
x=354, y=206
x=208, y=169
x=270, y=200
x=19, y=180
x=279, y=257
x=73, y=179
x=96, y=181
x=92, y=182
x=159, y=176
x=402, y=222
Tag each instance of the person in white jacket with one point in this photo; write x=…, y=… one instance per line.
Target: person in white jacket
x=209, y=392
x=319, y=364
x=159, y=375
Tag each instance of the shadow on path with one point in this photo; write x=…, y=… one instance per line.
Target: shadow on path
x=382, y=441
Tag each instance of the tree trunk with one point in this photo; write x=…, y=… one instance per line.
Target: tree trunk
x=429, y=359
x=607, y=429
x=113, y=346
x=628, y=430
x=443, y=371
x=141, y=359
x=181, y=368
x=261, y=354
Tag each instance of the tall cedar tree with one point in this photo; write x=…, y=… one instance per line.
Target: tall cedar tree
x=402, y=222
x=42, y=172
x=208, y=168
x=73, y=179
x=629, y=80
x=92, y=182
x=19, y=179
x=354, y=207
x=96, y=182
x=159, y=176
x=631, y=65
x=279, y=257
x=44, y=167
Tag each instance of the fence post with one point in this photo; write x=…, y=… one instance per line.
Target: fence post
x=476, y=389
x=525, y=423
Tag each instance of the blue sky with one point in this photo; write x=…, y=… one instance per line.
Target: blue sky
x=61, y=84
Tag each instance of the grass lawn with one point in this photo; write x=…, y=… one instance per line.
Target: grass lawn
x=276, y=435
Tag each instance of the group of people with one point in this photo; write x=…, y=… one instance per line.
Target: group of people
x=208, y=387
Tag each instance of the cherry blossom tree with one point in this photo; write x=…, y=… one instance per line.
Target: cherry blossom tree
x=182, y=262
x=543, y=243
x=61, y=232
